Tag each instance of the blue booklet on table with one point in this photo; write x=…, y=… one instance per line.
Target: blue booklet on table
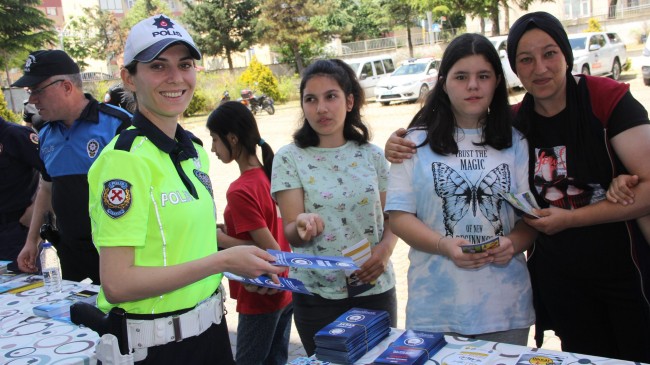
x=351, y=335
x=412, y=348
x=312, y=262
x=289, y=284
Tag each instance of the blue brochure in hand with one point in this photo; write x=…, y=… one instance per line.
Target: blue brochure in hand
x=289, y=284
x=312, y=262
x=412, y=348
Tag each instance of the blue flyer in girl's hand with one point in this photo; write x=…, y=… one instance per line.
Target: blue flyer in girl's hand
x=289, y=284
x=312, y=262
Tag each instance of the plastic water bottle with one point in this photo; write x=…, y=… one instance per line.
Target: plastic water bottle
x=51, y=267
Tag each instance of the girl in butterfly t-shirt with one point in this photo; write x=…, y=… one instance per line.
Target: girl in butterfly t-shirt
x=448, y=195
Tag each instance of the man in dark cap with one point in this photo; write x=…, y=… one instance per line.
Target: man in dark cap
x=76, y=129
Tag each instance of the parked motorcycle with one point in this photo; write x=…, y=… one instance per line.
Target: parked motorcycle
x=257, y=103
x=225, y=97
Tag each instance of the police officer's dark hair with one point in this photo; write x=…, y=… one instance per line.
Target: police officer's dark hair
x=354, y=129
x=234, y=117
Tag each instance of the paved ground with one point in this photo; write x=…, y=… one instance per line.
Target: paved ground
x=277, y=130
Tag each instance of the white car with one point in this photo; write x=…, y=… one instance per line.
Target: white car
x=598, y=53
x=409, y=82
x=501, y=43
x=645, y=63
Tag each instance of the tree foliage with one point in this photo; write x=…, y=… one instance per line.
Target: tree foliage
x=222, y=26
x=24, y=29
x=353, y=20
x=5, y=112
x=594, y=25
x=109, y=37
x=288, y=23
x=142, y=9
x=402, y=13
x=260, y=78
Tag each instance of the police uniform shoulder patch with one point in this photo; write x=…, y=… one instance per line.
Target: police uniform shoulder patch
x=116, y=197
x=92, y=148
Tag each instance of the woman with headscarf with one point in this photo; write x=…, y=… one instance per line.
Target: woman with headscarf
x=590, y=265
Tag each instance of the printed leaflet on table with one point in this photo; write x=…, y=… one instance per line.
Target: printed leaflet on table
x=351, y=335
x=412, y=348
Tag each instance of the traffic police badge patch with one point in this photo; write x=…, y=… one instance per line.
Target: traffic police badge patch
x=116, y=198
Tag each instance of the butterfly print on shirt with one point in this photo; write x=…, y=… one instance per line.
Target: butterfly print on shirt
x=458, y=194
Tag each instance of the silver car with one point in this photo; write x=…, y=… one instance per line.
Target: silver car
x=409, y=82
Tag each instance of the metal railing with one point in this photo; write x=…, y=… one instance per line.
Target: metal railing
x=418, y=38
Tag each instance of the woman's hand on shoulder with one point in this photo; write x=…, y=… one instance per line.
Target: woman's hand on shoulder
x=620, y=189
x=398, y=148
x=309, y=225
x=451, y=248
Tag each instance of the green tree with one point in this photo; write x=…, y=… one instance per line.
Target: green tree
x=5, y=113
x=260, y=78
x=23, y=29
x=142, y=9
x=594, y=25
x=76, y=41
x=287, y=23
x=109, y=36
x=402, y=13
x=222, y=26
x=353, y=20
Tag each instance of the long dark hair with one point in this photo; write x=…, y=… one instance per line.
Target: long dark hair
x=353, y=129
x=437, y=117
x=233, y=117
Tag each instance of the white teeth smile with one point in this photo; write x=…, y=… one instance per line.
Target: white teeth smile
x=172, y=94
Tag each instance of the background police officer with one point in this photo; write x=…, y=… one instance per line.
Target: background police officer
x=19, y=166
x=77, y=127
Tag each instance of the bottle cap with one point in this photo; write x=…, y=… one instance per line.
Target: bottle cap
x=47, y=244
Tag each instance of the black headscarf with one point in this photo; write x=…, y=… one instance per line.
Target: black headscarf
x=545, y=22
x=588, y=160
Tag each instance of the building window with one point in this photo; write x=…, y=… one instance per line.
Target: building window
x=50, y=10
x=113, y=5
x=574, y=9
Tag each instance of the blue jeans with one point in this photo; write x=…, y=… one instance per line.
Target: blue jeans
x=264, y=338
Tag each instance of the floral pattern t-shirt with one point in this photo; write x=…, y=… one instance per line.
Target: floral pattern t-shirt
x=342, y=185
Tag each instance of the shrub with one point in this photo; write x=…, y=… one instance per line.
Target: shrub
x=260, y=78
x=5, y=112
x=288, y=88
x=197, y=105
x=594, y=25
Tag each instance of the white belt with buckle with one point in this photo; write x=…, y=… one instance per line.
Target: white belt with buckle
x=153, y=332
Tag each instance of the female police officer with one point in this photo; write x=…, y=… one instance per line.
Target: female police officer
x=153, y=215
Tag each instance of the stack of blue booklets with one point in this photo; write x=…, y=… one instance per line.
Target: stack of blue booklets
x=412, y=348
x=352, y=335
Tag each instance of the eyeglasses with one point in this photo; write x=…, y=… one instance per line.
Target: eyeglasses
x=40, y=90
